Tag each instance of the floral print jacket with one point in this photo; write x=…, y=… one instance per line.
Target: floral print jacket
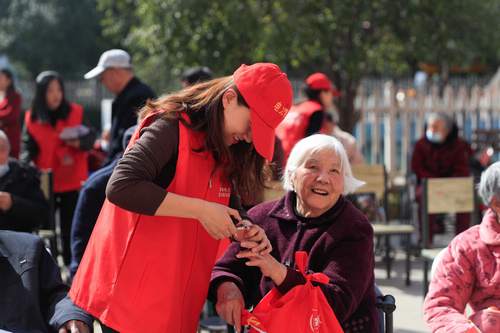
x=467, y=274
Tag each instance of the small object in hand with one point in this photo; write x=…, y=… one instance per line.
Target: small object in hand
x=240, y=229
x=241, y=225
x=73, y=133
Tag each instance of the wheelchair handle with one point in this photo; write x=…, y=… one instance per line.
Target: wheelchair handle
x=387, y=303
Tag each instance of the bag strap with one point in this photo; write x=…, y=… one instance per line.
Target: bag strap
x=301, y=261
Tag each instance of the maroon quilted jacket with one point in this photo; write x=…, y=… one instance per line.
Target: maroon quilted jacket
x=449, y=159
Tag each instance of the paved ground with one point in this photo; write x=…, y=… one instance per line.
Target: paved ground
x=408, y=317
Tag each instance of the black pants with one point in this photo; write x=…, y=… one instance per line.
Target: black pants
x=66, y=202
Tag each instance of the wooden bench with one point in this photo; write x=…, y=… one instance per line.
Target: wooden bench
x=375, y=178
x=444, y=195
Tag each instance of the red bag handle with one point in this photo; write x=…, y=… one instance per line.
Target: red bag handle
x=301, y=261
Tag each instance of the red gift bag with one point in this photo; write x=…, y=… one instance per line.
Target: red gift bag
x=303, y=309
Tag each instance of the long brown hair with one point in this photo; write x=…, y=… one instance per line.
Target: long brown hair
x=202, y=103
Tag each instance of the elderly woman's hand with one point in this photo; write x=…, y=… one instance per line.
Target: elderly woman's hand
x=268, y=265
x=253, y=237
x=230, y=302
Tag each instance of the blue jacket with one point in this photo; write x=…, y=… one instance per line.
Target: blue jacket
x=88, y=207
x=33, y=296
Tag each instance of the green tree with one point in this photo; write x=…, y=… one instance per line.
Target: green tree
x=345, y=39
x=167, y=37
x=51, y=34
x=338, y=38
x=450, y=33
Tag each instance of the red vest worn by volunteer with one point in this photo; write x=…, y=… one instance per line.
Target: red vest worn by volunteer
x=293, y=128
x=69, y=165
x=151, y=273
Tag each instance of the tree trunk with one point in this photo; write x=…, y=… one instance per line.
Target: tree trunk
x=348, y=115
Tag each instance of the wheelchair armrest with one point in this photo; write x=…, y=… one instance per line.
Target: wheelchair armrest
x=387, y=303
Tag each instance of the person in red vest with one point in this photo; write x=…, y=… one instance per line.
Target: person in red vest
x=57, y=136
x=307, y=117
x=10, y=111
x=173, y=197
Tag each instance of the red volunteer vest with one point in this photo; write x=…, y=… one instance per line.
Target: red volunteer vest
x=293, y=128
x=150, y=273
x=70, y=165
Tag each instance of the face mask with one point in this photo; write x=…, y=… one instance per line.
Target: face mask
x=4, y=169
x=433, y=137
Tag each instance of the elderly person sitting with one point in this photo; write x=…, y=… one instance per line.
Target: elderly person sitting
x=33, y=296
x=468, y=271
x=313, y=216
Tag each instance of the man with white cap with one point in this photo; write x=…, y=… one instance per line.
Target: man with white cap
x=114, y=70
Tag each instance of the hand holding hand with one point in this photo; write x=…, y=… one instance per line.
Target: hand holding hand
x=255, y=238
x=230, y=302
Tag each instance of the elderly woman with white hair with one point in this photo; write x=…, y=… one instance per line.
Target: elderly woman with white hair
x=313, y=216
x=468, y=273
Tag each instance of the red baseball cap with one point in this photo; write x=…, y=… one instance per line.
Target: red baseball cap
x=319, y=81
x=269, y=95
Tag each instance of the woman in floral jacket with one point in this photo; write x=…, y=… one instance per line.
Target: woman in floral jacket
x=467, y=273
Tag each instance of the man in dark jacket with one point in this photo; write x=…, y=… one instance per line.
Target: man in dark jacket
x=115, y=72
x=23, y=206
x=33, y=296
x=88, y=207
x=441, y=153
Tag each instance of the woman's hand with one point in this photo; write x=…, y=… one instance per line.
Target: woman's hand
x=254, y=237
x=268, y=265
x=230, y=302
x=216, y=219
x=75, y=143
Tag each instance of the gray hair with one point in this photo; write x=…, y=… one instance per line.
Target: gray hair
x=312, y=145
x=6, y=139
x=489, y=186
x=448, y=121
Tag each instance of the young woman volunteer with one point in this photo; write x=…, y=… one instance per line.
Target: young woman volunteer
x=172, y=197
x=308, y=117
x=57, y=136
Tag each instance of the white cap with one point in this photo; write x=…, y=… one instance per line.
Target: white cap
x=111, y=58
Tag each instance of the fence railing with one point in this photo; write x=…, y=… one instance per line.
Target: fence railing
x=393, y=119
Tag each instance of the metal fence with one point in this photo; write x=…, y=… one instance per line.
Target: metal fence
x=393, y=117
